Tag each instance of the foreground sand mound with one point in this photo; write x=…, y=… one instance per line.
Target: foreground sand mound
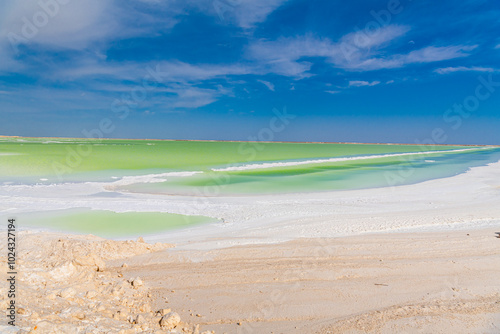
x=63, y=287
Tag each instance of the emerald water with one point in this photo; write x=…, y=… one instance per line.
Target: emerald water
x=339, y=175
x=79, y=185
x=67, y=160
x=109, y=224
x=232, y=167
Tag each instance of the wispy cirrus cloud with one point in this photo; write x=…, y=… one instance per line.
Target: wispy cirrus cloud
x=355, y=51
x=170, y=71
x=242, y=13
x=350, y=48
x=425, y=55
x=245, y=13
x=268, y=84
x=360, y=83
x=447, y=70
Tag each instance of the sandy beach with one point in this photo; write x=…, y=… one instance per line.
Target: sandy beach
x=420, y=258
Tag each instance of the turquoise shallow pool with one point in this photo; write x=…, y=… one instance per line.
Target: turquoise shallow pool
x=109, y=224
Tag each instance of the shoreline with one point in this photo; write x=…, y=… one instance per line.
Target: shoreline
x=460, y=200
x=453, y=201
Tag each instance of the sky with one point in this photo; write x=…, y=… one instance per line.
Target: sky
x=398, y=71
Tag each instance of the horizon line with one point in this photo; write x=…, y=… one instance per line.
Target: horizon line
x=257, y=141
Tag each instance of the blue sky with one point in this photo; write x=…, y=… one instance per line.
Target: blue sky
x=362, y=71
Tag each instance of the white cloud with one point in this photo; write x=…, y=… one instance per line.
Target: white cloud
x=365, y=40
x=332, y=91
x=189, y=97
x=78, y=25
x=285, y=55
x=425, y=55
x=355, y=51
x=446, y=70
x=432, y=53
x=169, y=71
x=166, y=99
x=268, y=84
x=74, y=25
x=359, y=83
x=245, y=13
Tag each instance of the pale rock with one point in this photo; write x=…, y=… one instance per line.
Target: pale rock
x=67, y=293
x=51, y=296
x=139, y=320
x=63, y=271
x=164, y=311
x=91, y=260
x=34, y=316
x=91, y=294
x=79, y=315
x=170, y=320
x=145, y=308
x=117, y=291
x=137, y=282
x=107, y=312
x=122, y=313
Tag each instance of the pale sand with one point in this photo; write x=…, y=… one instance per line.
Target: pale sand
x=420, y=282
x=444, y=282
